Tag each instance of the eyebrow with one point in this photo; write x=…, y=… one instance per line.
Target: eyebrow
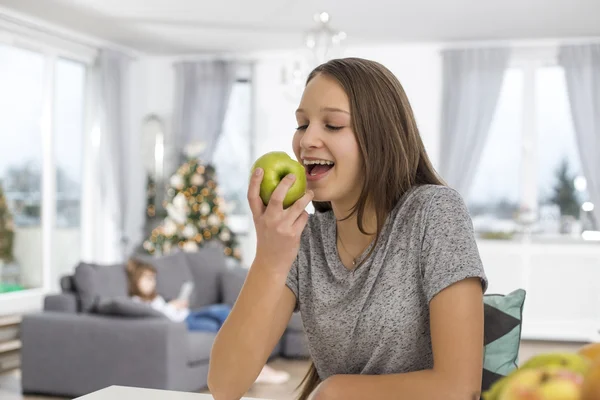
x=330, y=109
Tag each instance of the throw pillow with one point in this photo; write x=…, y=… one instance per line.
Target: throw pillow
x=503, y=316
x=94, y=282
x=126, y=307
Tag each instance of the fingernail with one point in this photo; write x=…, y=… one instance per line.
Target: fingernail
x=258, y=171
x=291, y=176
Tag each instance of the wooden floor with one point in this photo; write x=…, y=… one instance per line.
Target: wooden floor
x=10, y=386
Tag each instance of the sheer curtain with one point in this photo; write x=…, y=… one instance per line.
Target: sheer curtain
x=472, y=79
x=582, y=72
x=113, y=198
x=202, y=94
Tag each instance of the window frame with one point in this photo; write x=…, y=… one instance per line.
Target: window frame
x=529, y=60
x=51, y=48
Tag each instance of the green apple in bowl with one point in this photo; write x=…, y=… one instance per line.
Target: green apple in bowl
x=276, y=165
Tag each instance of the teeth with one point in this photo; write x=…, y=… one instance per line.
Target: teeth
x=322, y=162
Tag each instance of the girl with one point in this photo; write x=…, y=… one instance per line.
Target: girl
x=142, y=288
x=386, y=273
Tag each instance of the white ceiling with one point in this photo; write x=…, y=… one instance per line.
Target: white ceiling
x=181, y=26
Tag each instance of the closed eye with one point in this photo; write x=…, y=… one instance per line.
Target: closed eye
x=329, y=127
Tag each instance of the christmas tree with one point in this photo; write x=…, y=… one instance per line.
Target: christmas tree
x=6, y=230
x=564, y=193
x=195, y=214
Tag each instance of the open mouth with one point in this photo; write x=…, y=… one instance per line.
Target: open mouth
x=317, y=167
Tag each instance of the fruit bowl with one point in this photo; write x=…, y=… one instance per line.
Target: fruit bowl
x=553, y=376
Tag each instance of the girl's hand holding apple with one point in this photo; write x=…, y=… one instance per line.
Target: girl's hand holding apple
x=278, y=229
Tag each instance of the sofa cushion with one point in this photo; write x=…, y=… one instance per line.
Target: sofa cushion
x=172, y=271
x=126, y=307
x=231, y=280
x=295, y=323
x=295, y=345
x=93, y=282
x=199, y=346
x=205, y=266
x=503, y=317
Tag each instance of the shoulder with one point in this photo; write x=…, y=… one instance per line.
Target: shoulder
x=436, y=201
x=435, y=195
x=425, y=206
x=444, y=214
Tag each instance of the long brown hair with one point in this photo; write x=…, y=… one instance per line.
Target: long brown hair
x=393, y=153
x=135, y=270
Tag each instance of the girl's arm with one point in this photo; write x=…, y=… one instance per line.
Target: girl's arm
x=248, y=336
x=265, y=304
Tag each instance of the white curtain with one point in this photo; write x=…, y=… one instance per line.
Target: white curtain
x=582, y=72
x=202, y=95
x=113, y=198
x=472, y=79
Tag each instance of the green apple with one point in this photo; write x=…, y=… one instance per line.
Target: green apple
x=276, y=165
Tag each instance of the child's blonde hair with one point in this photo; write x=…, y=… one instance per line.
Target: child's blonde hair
x=135, y=270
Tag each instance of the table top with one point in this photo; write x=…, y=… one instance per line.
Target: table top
x=132, y=393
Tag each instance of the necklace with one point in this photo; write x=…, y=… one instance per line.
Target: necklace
x=354, y=259
x=347, y=252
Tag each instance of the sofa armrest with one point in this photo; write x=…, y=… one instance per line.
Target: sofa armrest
x=97, y=351
x=63, y=302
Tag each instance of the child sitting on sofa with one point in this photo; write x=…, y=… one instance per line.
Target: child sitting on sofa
x=142, y=288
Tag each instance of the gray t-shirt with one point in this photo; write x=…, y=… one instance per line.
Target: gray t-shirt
x=375, y=319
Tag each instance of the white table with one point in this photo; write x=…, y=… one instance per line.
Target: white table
x=132, y=393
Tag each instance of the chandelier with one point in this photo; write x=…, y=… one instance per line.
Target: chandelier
x=321, y=43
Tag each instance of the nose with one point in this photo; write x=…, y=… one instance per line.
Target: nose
x=311, y=138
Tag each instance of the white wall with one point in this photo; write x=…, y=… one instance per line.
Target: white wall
x=157, y=78
x=561, y=281
x=419, y=69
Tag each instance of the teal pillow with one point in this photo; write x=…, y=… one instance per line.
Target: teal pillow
x=503, y=317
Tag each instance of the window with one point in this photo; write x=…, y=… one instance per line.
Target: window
x=232, y=156
x=558, y=164
x=494, y=195
x=68, y=140
x=531, y=155
x=21, y=160
x=68, y=135
x=40, y=163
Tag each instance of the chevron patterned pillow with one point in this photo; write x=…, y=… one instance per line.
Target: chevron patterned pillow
x=503, y=316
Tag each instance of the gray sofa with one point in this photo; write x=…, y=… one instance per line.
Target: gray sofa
x=69, y=349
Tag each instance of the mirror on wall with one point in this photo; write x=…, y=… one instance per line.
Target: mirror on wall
x=153, y=158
